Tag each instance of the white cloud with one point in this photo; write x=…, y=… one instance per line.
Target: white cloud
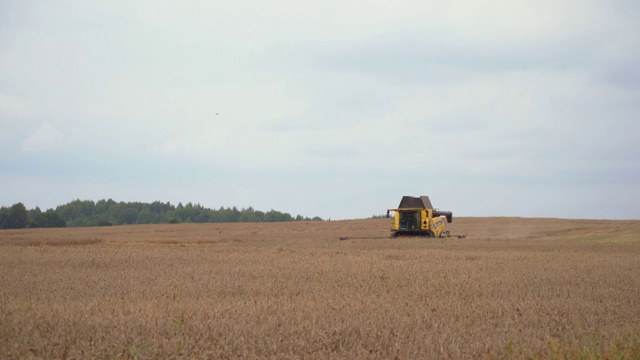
x=13, y=107
x=45, y=138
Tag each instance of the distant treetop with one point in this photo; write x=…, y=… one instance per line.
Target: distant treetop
x=109, y=212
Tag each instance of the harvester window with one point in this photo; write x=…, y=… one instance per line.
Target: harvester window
x=409, y=220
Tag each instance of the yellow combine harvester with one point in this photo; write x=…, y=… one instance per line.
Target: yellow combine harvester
x=415, y=216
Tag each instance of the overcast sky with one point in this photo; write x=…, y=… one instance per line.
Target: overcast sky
x=328, y=108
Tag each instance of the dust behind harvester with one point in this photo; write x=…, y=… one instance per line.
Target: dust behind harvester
x=415, y=216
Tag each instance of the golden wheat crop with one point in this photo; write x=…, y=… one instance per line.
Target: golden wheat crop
x=517, y=288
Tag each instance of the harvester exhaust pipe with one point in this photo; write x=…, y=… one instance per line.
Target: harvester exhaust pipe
x=448, y=214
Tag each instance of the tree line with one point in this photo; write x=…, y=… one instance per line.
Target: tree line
x=79, y=213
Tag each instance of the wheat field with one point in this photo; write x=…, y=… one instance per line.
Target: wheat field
x=515, y=288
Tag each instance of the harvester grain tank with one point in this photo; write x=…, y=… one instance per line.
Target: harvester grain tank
x=415, y=216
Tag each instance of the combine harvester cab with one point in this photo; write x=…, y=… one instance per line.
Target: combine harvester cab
x=415, y=216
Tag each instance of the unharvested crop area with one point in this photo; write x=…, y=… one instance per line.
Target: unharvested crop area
x=521, y=288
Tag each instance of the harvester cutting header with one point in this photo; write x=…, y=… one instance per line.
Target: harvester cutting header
x=415, y=216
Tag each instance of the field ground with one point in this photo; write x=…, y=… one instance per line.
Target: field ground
x=516, y=288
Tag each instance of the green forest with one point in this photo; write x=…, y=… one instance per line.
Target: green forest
x=109, y=212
